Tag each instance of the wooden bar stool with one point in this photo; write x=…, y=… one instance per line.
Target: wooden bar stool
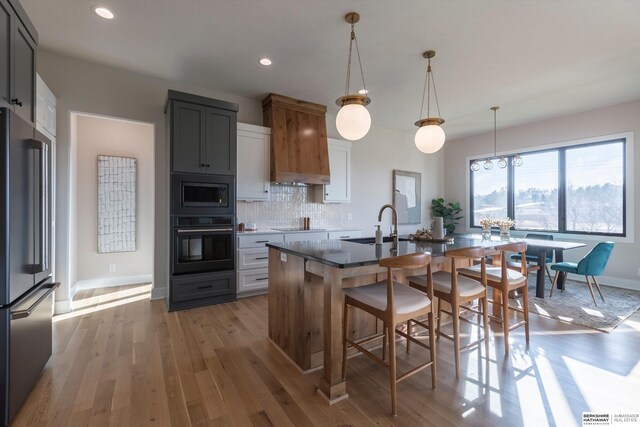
x=393, y=303
x=504, y=280
x=459, y=291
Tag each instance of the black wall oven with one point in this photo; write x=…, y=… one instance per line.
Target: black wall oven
x=195, y=194
x=203, y=244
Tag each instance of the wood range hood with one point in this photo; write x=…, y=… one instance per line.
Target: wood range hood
x=299, y=151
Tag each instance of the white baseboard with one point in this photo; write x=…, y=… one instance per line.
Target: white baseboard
x=62, y=306
x=158, y=293
x=107, y=282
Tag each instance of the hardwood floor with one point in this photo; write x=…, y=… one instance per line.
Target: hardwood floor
x=120, y=360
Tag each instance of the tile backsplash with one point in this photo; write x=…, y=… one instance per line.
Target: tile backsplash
x=286, y=207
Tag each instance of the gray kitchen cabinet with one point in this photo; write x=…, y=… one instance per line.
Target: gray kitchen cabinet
x=18, y=42
x=203, y=134
x=5, y=52
x=24, y=74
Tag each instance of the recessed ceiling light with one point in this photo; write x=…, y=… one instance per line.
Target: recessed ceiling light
x=103, y=12
x=265, y=61
x=363, y=91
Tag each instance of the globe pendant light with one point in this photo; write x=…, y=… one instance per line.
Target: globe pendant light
x=430, y=136
x=353, y=120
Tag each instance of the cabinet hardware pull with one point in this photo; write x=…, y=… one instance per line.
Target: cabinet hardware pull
x=17, y=102
x=202, y=165
x=203, y=230
x=262, y=241
x=205, y=287
x=344, y=237
x=262, y=278
x=208, y=165
x=266, y=191
x=263, y=257
x=326, y=194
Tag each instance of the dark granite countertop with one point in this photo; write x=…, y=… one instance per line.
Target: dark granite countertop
x=345, y=254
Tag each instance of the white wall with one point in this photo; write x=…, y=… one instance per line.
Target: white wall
x=99, y=135
x=97, y=89
x=92, y=88
x=373, y=160
x=623, y=266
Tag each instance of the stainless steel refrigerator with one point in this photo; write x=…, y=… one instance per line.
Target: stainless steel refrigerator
x=26, y=286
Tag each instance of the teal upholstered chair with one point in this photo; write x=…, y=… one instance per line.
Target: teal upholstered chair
x=592, y=264
x=532, y=255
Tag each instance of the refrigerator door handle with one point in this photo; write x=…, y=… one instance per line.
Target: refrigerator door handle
x=21, y=314
x=41, y=265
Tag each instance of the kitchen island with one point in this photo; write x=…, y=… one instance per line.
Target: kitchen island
x=305, y=299
x=306, y=279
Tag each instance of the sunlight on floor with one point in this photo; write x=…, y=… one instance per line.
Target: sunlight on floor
x=632, y=323
x=106, y=297
x=592, y=312
x=591, y=380
x=106, y=301
x=541, y=310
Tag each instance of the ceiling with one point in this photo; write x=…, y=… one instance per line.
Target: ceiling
x=535, y=59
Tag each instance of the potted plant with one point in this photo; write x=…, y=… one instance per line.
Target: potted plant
x=448, y=211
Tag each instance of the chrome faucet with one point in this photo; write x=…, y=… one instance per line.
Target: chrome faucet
x=394, y=218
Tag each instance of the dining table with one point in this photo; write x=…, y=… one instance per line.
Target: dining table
x=540, y=248
x=306, y=282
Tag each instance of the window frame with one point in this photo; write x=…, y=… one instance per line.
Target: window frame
x=627, y=139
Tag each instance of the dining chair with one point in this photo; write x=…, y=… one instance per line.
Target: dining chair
x=592, y=264
x=393, y=303
x=505, y=280
x=532, y=256
x=458, y=291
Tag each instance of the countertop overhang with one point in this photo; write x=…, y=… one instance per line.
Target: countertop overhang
x=344, y=254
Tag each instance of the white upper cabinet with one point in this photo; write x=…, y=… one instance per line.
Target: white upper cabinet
x=339, y=190
x=253, y=162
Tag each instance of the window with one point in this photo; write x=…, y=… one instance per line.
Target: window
x=595, y=188
x=572, y=189
x=536, y=191
x=489, y=193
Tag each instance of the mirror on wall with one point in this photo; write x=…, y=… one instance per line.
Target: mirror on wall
x=406, y=196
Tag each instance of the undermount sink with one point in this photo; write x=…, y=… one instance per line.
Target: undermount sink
x=372, y=240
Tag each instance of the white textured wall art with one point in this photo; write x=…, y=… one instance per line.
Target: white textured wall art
x=116, y=204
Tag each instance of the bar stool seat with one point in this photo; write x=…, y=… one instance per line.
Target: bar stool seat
x=442, y=283
x=494, y=273
x=405, y=299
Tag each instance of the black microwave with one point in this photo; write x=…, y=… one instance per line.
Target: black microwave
x=202, y=194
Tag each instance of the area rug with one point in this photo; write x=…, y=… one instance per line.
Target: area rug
x=575, y=305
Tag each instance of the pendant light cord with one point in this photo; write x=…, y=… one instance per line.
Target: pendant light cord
x=495, y=144
x=364, y=85
x=429, y=80
x=353, y=39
